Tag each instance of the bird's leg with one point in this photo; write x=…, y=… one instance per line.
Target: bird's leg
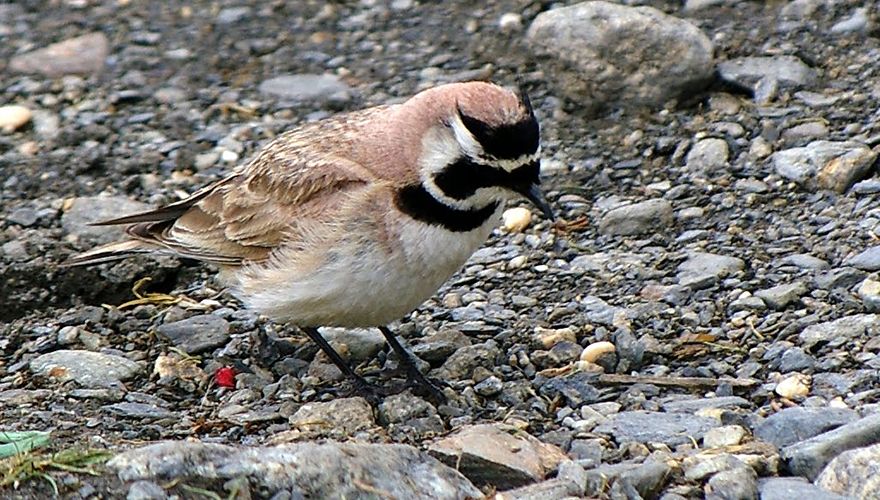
x=412, y=371
x=360, y=383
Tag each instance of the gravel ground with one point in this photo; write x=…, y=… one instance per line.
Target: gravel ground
x=702, y=324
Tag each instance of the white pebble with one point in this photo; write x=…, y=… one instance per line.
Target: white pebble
x=794, y=386
x=517, y=262
x=13, y=117
x=596, y=350
x=510, y=21
x=516, y=219
x=229, y=156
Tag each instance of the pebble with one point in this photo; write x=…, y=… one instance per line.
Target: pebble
x=463, y=361
x=740, y=483
x=825, y=164
x=306, y=87
x=781, y=296
x=363, y=343
x=324, y=470
x=88, y=369
x=786, y=70
x=13, y=117
x=588, y=50
x=866, y=260
x=403, y=407
x=197, y=334
x=82, y=55
x=139, y=411
x=808, y=458
x=792, y=425
x=786, y=488
x=839, y=331
x=517, y=219
x=627, y=480
x=597, y=350
x=340, y=417
x=726, y=435
x=794, y=386
x=853, y=473
x=145, y=490
x=637, y=218
x=805, y=261
x=704, y=269
x=708, y=155
x=510, y=22
x=80, y=213
x=489, y=387
x=671, y=429
x=869, y=292
x=695, y=405
x=859, y=21
x=439, y=346
x=494, y=454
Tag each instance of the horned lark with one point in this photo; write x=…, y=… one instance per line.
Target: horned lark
x=357, y=219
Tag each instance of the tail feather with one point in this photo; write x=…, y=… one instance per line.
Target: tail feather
x=109, y=253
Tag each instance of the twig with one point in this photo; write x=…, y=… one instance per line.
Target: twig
x=613, y=378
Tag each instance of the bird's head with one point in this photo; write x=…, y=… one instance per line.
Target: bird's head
x=485, y=148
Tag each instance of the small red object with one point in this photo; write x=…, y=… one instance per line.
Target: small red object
x=225, y=377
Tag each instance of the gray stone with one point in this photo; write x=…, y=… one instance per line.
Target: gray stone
x=145, y=490
x=839, y=331
x=735, y=484
x=792, y=425
x=575, y=388
x=787, y=488
x=77, y=220
x=308, y=470
x=781, y=296
x=805, y=261
x=697, y=404
x=656, y=427
x=724, y=436
x=498, y=455
x=343, y=417
x=86, y=368
x=842, y=277
x=306, y=87
x=830, y=165
x=805, y=131
x=590, y=49
x=859, y=21
x=638, y=218
x=232, y=15
x=569, y=482
x=695, y=5
x=82, y=55
x=197, y=334
x=490, y=386
x=707, y=155
x=24, y=216
x=869, y=292
x=437, y=347
x=853, y=473
x=463, y=361
x=808, y=458
x=363, y=343
x=704, y=269
x=644, y=479
x=866, y=260
x=700, y=466
x=139, y=410
x=400, y=408
x=786, y=70
x=795, y=359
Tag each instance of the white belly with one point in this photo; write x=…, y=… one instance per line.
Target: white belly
x=363, y=284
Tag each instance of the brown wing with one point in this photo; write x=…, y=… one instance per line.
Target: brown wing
x=247, y=215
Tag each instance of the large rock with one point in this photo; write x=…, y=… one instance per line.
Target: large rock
x=82, y=55
x=498, y=455
x=853, y=473
x=303, y=470
x=602, y=53
x=786, y=71
x=797, y=424
x=808, y=458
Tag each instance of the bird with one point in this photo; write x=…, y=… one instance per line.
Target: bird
x=356, y=219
